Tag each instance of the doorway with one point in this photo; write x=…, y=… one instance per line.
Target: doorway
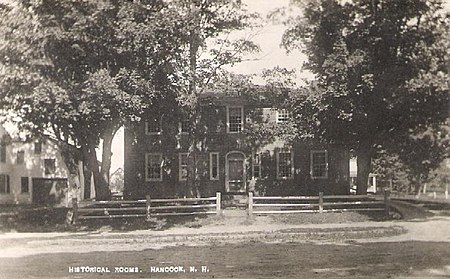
x=235, y=172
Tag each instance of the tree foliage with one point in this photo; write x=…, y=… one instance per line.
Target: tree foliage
x=207, y=48
x=381, y=74
x=78, y=70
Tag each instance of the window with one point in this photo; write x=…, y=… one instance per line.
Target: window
x=3, y=152
x=49, y=166
x=235, y=119
x=214, y=166
x=283, y=115
x=182, y=166
x=153, y=126
x=37, y=147
x=256, y=165
x=183, y=126
x=285, y=164
x=20, y=157
x=153, y=167
x=319, y=164
x=4, y=184
x=24, y=186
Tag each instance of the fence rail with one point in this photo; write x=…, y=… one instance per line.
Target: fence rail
x=145, y=208
x=320, y=204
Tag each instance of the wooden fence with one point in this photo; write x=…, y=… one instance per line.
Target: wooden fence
x=320, y=204
x=145, y=208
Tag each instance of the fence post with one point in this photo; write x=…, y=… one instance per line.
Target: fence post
x=218, y=203
x=250, y=204
x=75, y=211
x=434, y=195
x=320, y=202
x=148, y=204
x=386, y=201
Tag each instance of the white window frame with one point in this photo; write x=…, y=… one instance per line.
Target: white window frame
x=211, y=155
x=228, y=119
x=285, y=117
x=312, y=164
x=147, y=178
x=254, y=155
x=180, y=126
x=147, y=132
x=181, y=166
x=292, y=164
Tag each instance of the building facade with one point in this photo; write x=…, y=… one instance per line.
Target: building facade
x=234, y=154
x=32, y=172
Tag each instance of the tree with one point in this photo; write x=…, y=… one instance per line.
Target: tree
x=421, y=160
x=381, y=73
x=208, y=47
x=78, y=70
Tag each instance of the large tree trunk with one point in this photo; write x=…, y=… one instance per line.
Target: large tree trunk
x=108, y=137
x=71, y=157
x=100, y=184
x=192, y=183
x=192, y=188
x=364, y=160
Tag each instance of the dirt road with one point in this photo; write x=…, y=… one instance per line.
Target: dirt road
x=250, y=260
x=414, y=249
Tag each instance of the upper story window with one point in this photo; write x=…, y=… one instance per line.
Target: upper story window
x=319, y=164
x=283, y=115
x=256, y=165
x=214, y=166
x=153, y=166
x=235, y=119
x=20, y=157
x=285, y=164
x=37, y=147
x=4, y=184
x=2, y=152
x=49, y=166
x=153, y=126
x=182, y=166
x=183, y=126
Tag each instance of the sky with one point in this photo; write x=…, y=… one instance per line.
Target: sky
x=272, y=54
x=268, y=37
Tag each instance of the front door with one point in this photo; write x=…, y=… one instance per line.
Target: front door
x=235, y=172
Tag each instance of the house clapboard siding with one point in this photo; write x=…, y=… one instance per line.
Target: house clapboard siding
x=32, y=172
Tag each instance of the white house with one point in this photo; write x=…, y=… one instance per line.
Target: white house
x=32, y=172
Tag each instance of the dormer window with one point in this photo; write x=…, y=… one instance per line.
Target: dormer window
x=235, y=119
x=283, y=115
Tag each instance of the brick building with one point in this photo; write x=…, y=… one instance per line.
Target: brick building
x=231, y=159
